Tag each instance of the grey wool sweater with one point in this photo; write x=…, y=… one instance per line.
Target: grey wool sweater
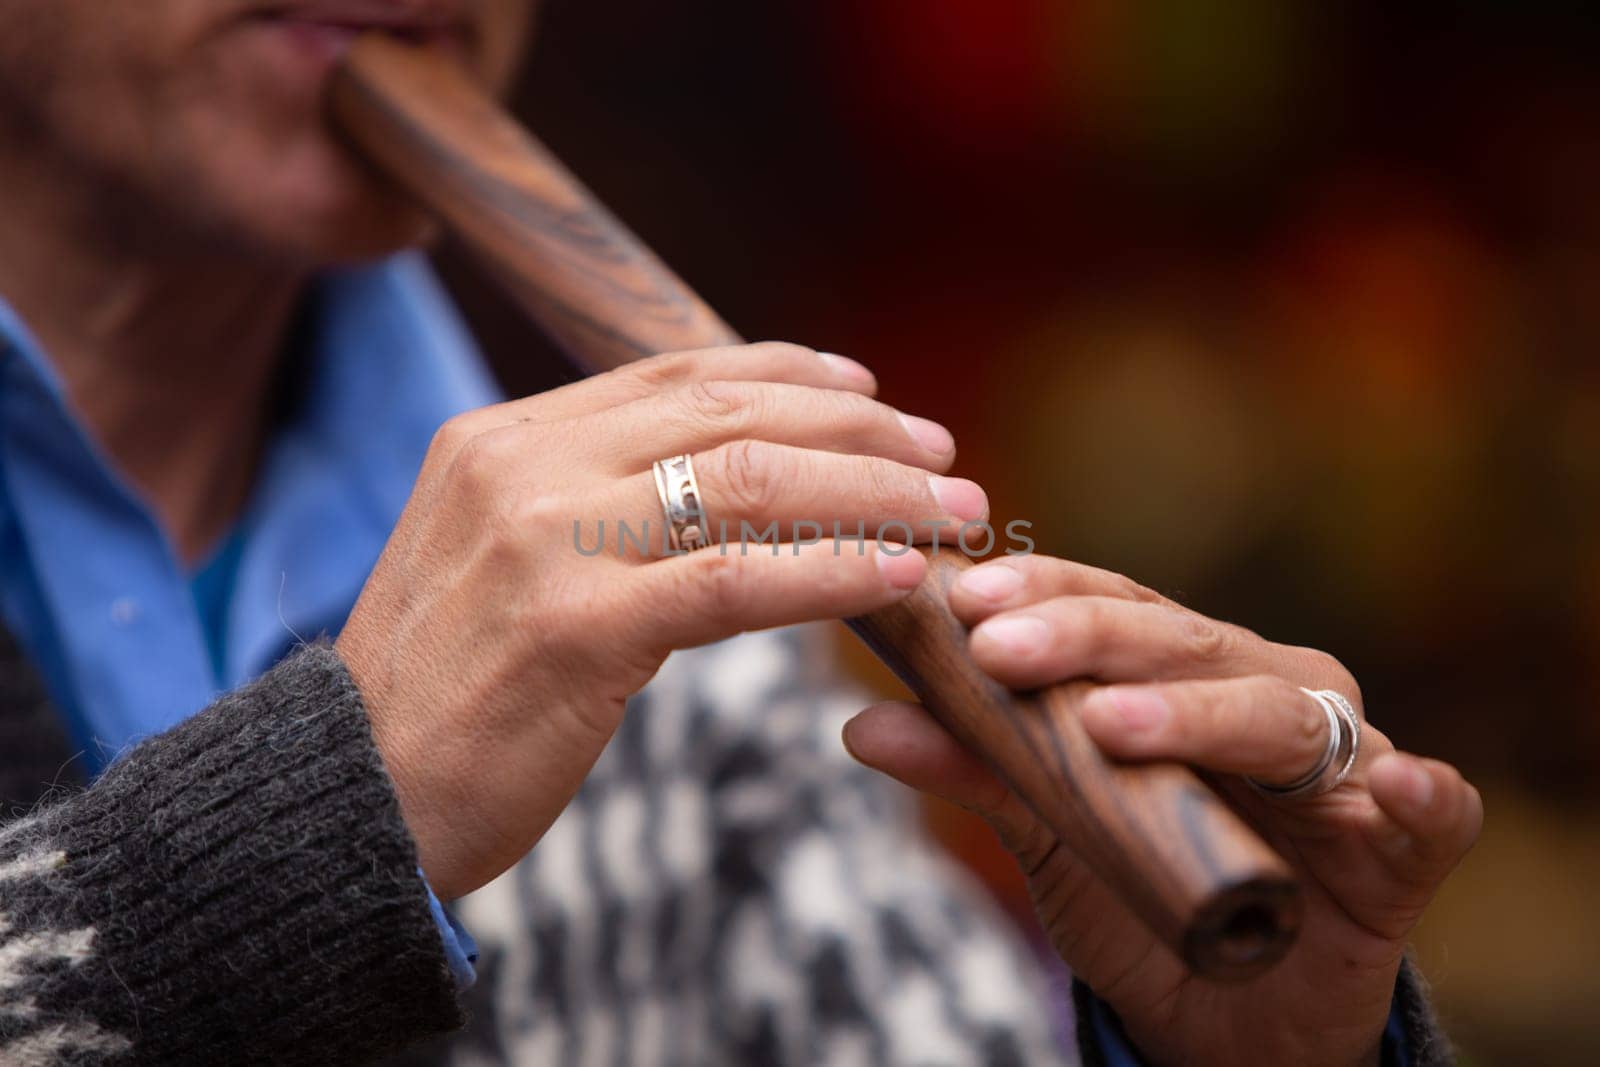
x=241, y=889
x=726, y=888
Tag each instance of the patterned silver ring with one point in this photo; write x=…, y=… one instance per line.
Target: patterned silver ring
x=681, y=505
x=1338, y=757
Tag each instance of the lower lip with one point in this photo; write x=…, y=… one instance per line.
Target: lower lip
x=322, y=44
x=319, y=42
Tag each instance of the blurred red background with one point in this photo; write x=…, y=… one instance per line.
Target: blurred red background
x=1286, y=310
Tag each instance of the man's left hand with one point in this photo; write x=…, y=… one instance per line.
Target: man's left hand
x=1176, y=685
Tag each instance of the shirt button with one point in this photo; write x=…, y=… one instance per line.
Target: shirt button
x=124, y=610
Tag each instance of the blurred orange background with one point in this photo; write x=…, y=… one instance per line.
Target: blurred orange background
x=1287, y=310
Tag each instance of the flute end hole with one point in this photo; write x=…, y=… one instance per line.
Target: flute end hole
x=1248, y=933
x=1244, y=931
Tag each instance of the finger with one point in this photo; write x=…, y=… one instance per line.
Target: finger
x=909, y=745
x=1261, y=726
x=705, y=414
x=755, y=492
x=1001, y=584
x=1087, y=923
x=903, y=741
x=1428, y=817
x=770, y=361
x=705, y=596
x=1114, y=640
x=763, y=361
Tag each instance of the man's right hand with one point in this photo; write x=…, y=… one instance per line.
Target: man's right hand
x=494, y=657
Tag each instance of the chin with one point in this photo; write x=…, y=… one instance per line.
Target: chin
x=356, y=225
x=314, y=207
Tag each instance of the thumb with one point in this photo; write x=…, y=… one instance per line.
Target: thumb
x=903, y=741
x=1087, y=924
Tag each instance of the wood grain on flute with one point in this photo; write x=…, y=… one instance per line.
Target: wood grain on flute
x=1169, y=846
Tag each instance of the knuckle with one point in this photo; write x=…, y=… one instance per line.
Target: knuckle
x=541, y=513
x=718, y=581
x=1021, y=832
x=1132, y=590
x=478, y=464
x=1204, y=640
x=505, y=523
x=667, y=369
x=749, y=473
x=450, y=437
x=717, y=403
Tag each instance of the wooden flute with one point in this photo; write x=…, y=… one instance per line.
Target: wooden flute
x=1183, y=860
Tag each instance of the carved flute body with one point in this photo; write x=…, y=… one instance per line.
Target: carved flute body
x=1186, y=863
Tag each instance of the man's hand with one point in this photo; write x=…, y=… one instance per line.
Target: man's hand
x=1370, y=853
x=495, y=643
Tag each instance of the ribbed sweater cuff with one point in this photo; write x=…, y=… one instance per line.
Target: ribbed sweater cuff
x=250, y=888
x=1424, y=1040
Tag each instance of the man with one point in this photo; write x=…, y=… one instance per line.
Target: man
x=210, y=444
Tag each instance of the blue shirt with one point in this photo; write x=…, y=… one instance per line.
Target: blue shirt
x=129, y=641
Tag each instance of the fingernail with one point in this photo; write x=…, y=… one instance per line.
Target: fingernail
x=928, y=434
x=844, y=735
x=846, y=367
x=1139, y=710
x=902, y=569
x=1020, y=635
x=1417, y=785
x=960, y=497
x=994, y=582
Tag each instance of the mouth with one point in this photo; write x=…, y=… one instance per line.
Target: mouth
x=324, y=30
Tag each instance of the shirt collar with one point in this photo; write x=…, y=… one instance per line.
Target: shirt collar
x=389, y=361
x=385, y=361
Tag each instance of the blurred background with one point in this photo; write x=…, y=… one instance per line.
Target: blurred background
x=1287, y=310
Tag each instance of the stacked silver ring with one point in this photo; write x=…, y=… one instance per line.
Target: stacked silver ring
x=1339, y=755
x=680, y=503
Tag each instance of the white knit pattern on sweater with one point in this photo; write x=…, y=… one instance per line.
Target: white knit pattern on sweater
x=23, y=953
x=730, y=887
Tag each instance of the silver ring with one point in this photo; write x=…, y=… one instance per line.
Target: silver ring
x=1338, y=757
x=680, y=503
